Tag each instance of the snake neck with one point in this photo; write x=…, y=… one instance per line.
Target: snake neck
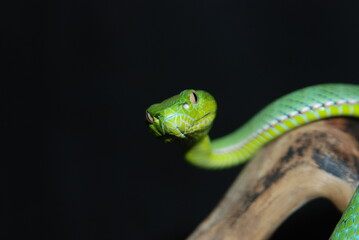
x=199, y=152
x=289, y=112
x=203, y=154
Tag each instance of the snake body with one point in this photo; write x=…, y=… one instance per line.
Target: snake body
x=188, y=117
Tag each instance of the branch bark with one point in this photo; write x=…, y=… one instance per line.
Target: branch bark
x=320, y=159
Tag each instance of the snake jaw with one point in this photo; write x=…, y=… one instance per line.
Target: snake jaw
x=155, y=130
x=167, y=128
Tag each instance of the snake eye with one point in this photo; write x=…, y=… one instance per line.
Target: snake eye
x=193, y=98
x=149, y=117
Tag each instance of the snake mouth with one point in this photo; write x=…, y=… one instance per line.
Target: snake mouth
x=167, y=133
x=187, y=128
x=178, y=127
x=206, y=115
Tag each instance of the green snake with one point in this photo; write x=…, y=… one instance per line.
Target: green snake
x=188, y=118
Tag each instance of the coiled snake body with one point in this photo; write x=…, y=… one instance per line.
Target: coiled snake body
x=188, y=117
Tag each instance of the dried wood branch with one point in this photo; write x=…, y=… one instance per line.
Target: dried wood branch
x=320, y=159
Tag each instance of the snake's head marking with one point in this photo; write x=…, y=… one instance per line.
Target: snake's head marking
x=186, y=116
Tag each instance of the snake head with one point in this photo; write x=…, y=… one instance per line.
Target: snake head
x=186, y=116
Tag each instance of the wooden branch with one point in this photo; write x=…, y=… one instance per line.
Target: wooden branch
x=320, y=159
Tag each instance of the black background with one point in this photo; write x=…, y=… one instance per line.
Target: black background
x=78, y=76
